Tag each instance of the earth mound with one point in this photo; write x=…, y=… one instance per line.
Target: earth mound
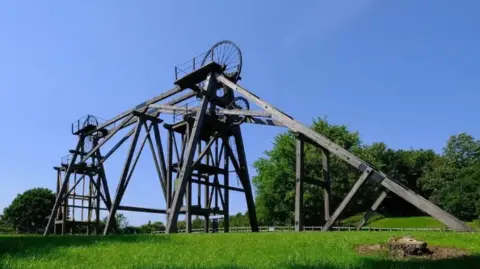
x=409, y=247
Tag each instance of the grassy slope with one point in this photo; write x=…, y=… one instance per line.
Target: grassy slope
x=408, y=222
x=379, y=221
x=334, y=250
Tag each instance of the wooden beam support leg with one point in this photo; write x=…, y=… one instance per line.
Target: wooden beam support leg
x=426, y=206
x=188, y=214
x=347, y=199
x=169, y=170
x=123, y=178
x=207, y=197
x=299, y=185
x=160, y=172
x=63, y=188
x=161, y=158
x=226, y=183
x=326, y=181
x=186, y=170
x=372, y=209
x=245, y=178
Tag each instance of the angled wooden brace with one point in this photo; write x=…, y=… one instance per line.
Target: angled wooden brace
x=123, y=178
x=392, y=185
x=347, y=199
x=372, y=209
x=186, y=168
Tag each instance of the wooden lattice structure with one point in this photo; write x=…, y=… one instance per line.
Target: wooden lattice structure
x=201, y=148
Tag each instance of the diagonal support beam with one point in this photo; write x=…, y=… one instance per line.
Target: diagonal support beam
x=205, y=150
x=372, y=209
x=425, y=205
x=64, y=186
x=105, y=139
x=137, y=157
x=161, y=156
x=186, y=170
x=140, y=106
x=295, y=126
x=161, y=173
x=347, y=199
x=241, y=168
x=123, y=178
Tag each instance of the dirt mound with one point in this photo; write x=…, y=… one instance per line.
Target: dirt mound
x=410, y=248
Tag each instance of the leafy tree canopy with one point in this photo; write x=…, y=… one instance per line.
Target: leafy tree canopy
x=30, y=210
x=450, y=179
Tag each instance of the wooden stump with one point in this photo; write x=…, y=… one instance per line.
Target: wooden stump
x=408, y=246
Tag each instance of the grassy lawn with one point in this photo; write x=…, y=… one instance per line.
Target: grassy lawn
x=332, y=250
x=407, y=222
x=379, y=221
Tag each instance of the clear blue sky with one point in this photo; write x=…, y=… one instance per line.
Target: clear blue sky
x=402, y=72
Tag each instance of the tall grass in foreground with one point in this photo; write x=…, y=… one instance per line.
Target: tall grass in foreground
x=333, y=250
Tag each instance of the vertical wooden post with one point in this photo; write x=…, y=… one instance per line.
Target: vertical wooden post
x=59, y=181
x=299, y=185
x=207, y=196
x=73, y=228
x=65, y=210
x=90, y=196
x=186, y=169
x=327, y=184
x=199, y=185
x=97, y=206
x=169, y=170
x=188, y=214
x=226, y=191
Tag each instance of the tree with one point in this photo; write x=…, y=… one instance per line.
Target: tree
x=30, y=210
x=461, y=197
x=150, y=227
x=423, y=171
x=454, y=178
x=462, y=151
x=275, y=180
x=121, y=221
x=4, y=227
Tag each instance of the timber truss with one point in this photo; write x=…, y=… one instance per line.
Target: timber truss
x=194, y=170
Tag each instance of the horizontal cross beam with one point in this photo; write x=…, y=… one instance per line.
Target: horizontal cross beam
x=168, y=109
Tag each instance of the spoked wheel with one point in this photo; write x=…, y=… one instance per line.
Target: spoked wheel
x=228, y=55
x=88, y=142
x=239, y=103
x=90, y=120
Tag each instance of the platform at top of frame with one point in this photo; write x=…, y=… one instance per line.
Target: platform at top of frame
x=198, y=75
x=223, y=57
x=86, y=125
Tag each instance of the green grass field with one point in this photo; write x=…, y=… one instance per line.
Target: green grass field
x=378, y=221
x=332, y=250
x=407, y=222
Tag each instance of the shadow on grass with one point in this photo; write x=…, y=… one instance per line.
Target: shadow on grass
x=471, y=262
x=35, y=245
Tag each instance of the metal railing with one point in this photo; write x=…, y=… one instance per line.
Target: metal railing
x=195, y=63
x=88, y=120
x=68, y=158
